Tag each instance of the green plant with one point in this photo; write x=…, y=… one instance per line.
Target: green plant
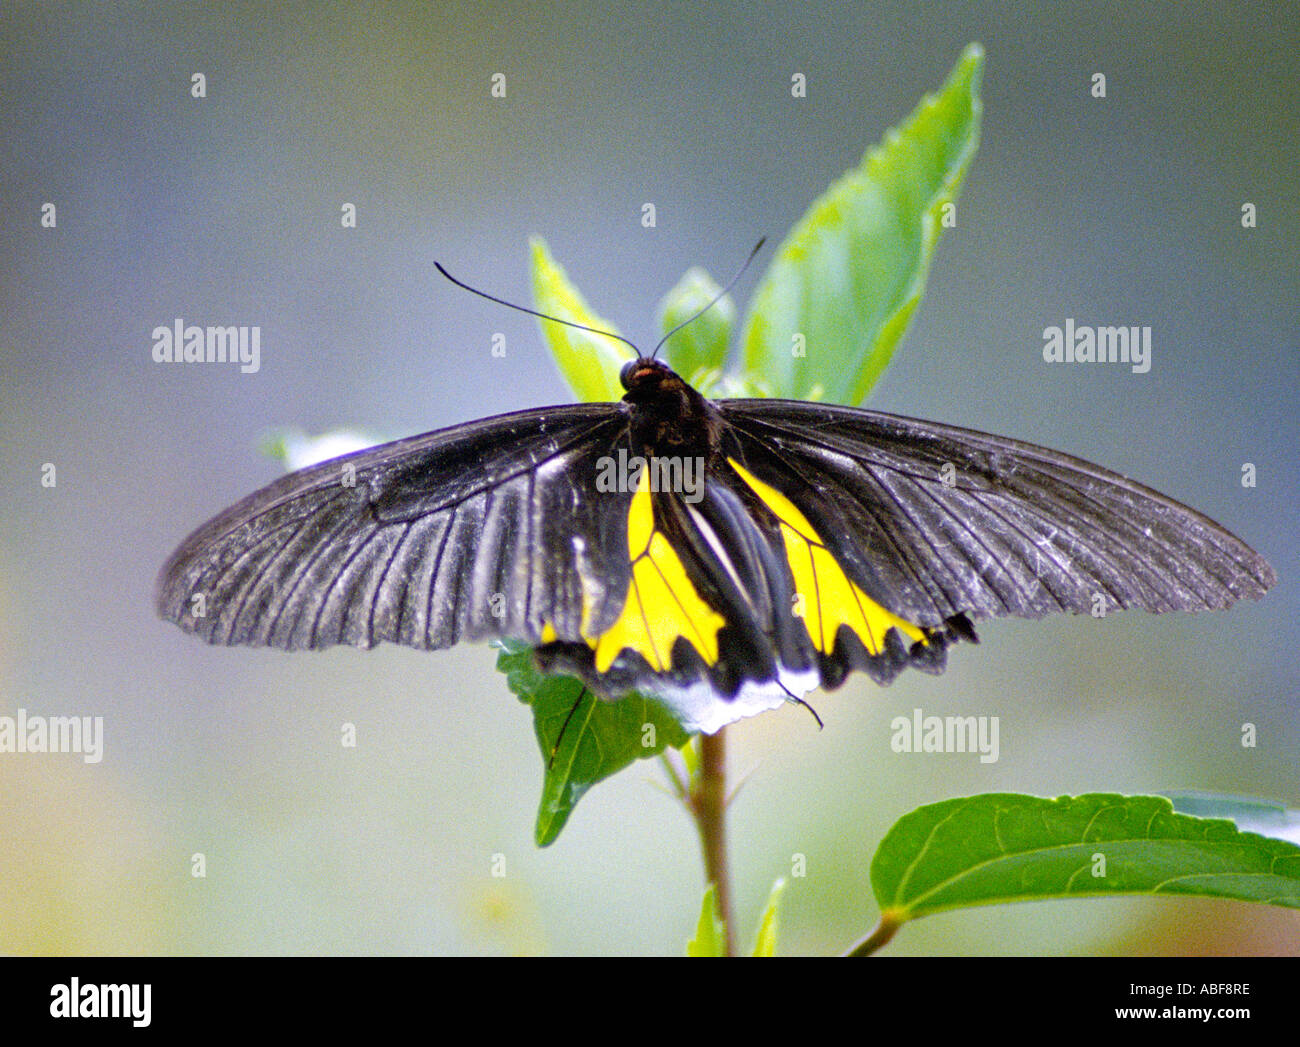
x=847, y=279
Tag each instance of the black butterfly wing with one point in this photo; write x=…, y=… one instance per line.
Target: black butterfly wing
x=501, y=528
x=937, y=521
x=482, y=530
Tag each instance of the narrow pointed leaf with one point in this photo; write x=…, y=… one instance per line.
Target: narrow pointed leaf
x=765, y=940
x=589, y=362
x=710, y=935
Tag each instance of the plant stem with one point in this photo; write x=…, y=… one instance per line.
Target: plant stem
x=884, y=931
x=708, y=804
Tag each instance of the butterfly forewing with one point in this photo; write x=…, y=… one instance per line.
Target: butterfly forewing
x=939, y=521
x=476, y=531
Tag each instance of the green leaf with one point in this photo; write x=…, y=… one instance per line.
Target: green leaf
x=849, y=275
x=698, y=351
x=765, y=940
x=710, y=936
x=691, y=758
x=583, y=738
x=590, y=363
x=1004, y=847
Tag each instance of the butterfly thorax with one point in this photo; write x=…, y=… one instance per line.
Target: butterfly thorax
x=668, y=416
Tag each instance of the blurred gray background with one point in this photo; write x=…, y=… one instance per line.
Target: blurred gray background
x=1123, y=210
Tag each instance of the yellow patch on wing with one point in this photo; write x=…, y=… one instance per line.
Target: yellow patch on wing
x=662, y=602
x=829, y=598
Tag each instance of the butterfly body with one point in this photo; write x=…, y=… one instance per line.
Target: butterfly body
x=756, y=549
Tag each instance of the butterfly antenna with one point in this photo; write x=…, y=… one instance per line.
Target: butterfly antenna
x=730, y=284
x=532, y=312
x=799, y=701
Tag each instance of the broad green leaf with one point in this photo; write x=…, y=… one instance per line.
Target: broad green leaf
x=589, y=362
x=1004, y=847
x=698, y=351
x=583, y=738
x=710, y=936
x=765, y=940
x=843, y=285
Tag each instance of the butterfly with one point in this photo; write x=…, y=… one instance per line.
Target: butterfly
x=725, y=556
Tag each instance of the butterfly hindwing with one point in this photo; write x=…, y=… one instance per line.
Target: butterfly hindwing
x=842, y=625
x=739, y=587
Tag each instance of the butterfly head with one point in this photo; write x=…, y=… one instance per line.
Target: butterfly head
x=657, y=388
x=644, y=373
